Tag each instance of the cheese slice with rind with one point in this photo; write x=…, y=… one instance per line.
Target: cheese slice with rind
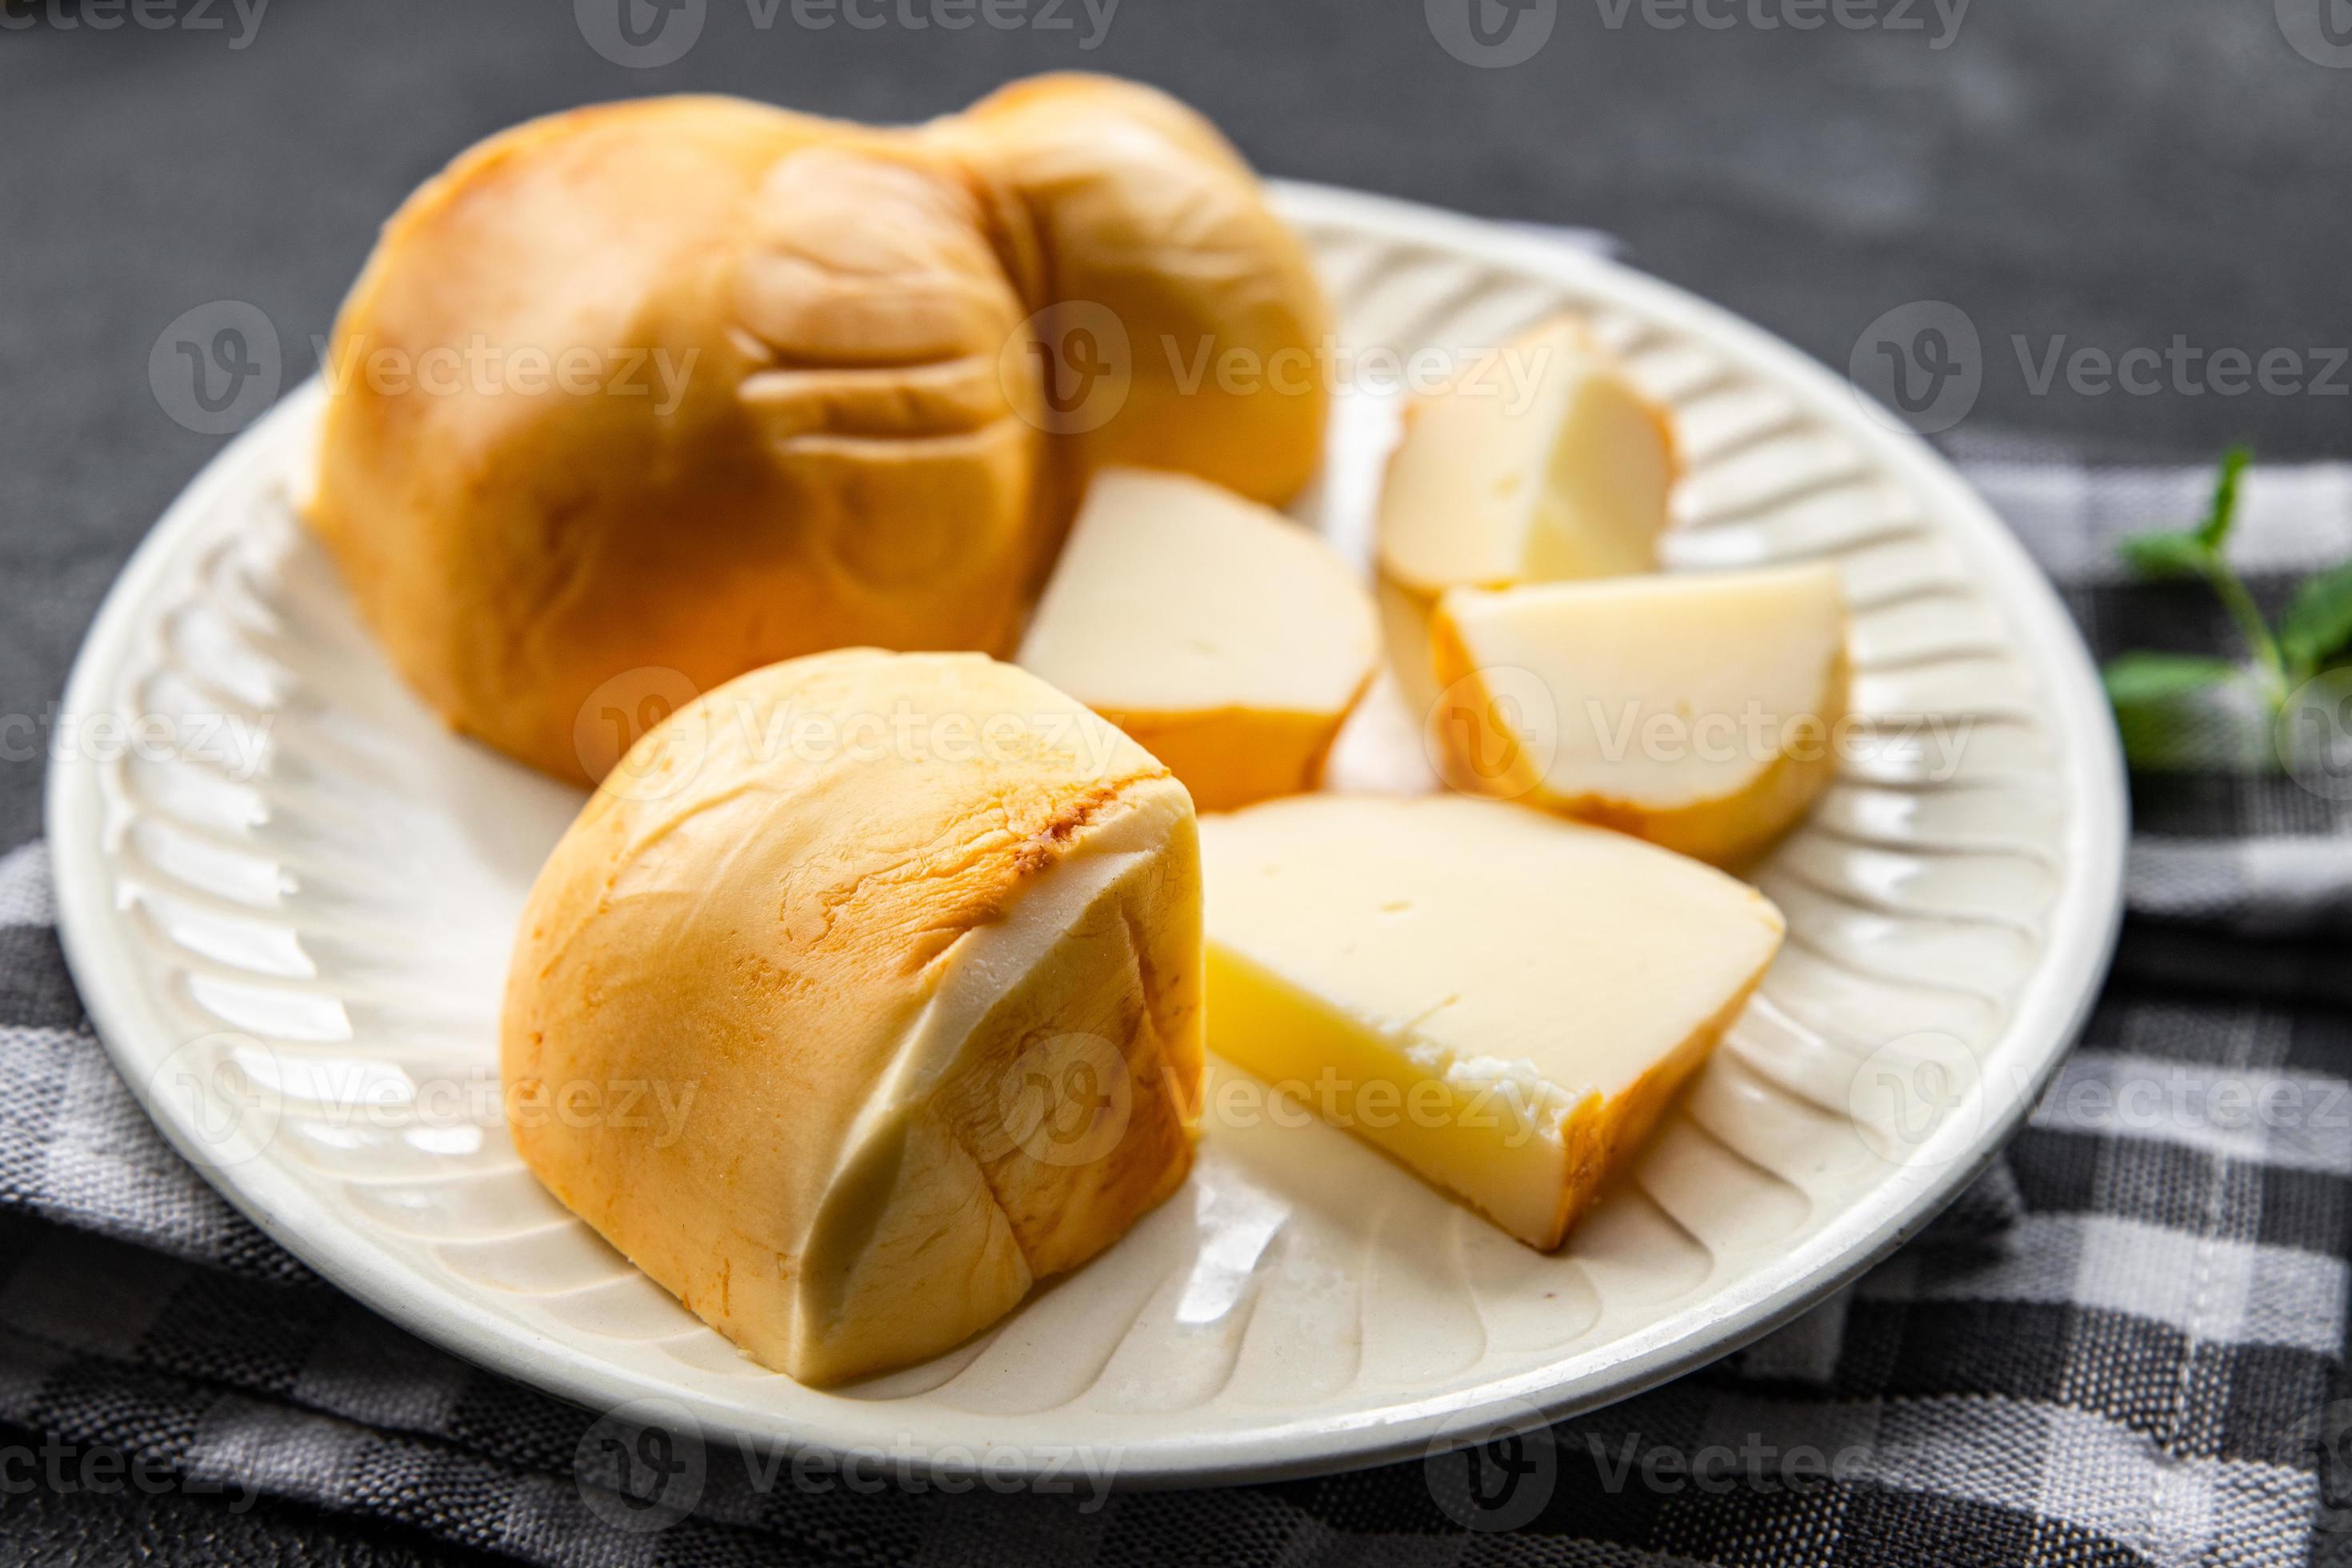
x=1503, y=1001
x=1227, y=639
x=1701, y=710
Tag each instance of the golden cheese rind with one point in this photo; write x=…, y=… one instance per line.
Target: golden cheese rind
x=695, y=385
x=904, y=949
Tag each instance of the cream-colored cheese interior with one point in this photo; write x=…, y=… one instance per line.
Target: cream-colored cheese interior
x=1175, y=597
x=1664, y=690
x=1544, y=462
x=1540, y=974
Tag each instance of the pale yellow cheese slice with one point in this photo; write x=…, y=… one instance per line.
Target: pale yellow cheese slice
x=1502, y=1000
x=1701, y=710
x=1542, y=462
x=1226, y=639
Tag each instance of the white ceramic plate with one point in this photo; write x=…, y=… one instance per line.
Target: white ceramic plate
x=297, y=965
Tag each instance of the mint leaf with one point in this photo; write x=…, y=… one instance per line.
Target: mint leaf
x=2221, y=514
x=2167, y=554
x=2185, y=713
x=2318, y=624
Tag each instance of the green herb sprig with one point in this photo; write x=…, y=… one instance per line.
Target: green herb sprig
x=2161, y=697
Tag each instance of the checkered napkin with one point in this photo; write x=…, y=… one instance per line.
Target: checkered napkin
x=2124, y=1344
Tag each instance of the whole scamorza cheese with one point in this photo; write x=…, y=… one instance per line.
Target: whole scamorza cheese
x=914, y=941
x=695, y=385
x=1227, y=639
x=1502, y=1000
x=1700, y=710
x=1542, y=462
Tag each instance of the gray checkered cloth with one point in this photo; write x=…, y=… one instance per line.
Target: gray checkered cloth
x=2125, y=1344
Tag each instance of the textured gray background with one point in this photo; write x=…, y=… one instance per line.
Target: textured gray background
x=2118, y=171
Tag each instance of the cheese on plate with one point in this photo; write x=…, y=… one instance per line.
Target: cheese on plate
x=1504, y=1001
x=1226, y=639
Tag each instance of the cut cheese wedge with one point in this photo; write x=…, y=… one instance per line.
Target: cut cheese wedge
x=907, y=950
x=1698, y=711
x=1226, y=639
x=1502, y=1000
x=1542, y=462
